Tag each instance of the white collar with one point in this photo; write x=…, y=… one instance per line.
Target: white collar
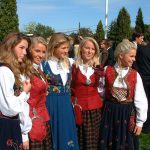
x=117, y=67
x=55, y=59
x=36, y=66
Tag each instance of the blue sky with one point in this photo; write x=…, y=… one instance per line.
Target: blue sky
x=65, y=15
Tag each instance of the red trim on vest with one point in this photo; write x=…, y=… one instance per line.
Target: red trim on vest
x=130, y=80
x=87, y=96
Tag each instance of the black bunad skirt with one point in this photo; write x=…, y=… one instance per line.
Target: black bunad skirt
x=115, y=123
x=10, y=133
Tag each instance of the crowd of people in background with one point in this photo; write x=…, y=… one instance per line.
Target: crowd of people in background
x=73, y=94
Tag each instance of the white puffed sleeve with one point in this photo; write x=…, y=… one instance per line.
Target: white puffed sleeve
x=10, y=105
x=25, y=120
x=140, y=101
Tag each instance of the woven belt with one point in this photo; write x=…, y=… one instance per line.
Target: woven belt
x=13, y=118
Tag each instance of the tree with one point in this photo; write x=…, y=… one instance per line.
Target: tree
x=139, y=24
x=38, y=29
x=99, y=35
x=8, y=17
x=123, y=25
x=84, y=32
x=30, y=28
x=44, y=31
x=112, y=32
x=147, y=32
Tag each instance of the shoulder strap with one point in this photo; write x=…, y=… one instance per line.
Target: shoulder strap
x=46, y=67
x=4, y=64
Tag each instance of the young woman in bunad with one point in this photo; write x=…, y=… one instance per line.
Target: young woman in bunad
x=58, y=72
x=125, y=108
x=85, y=95
x=40, y=133
x=15, y=122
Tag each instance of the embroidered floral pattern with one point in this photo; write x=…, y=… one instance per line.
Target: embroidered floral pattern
x=11, y=143
x=56, y=89
x=55, y=84
x=21, y=146
x=70, y=143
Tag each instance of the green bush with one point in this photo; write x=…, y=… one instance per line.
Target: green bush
x=145, y=141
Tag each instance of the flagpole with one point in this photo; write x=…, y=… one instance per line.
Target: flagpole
x=106, y=18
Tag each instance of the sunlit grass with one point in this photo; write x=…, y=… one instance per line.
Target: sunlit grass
x=145, y=141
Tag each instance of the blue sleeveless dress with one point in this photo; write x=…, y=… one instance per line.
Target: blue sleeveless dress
x=58, y=102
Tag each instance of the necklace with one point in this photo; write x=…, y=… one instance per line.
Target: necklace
x=120, y=78
x=59, y=67
x=85, y=68
x=88, y=80
x=39, y=73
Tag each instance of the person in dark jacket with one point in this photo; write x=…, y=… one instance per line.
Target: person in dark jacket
x=143, y=64
x=107, y=53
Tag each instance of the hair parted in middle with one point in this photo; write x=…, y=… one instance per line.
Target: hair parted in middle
x=56, y=40
x=79, y=60
x=36, y=40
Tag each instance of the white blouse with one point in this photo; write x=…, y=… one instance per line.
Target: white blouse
x=58, y=68
x=140, y=99
x=87, y=71
x=11, y=105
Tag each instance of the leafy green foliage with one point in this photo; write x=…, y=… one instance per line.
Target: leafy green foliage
x=145, y=141
x=30, y=28
x=44, y=31
x=8, y=17
x=99, y=35
x=123, y=25
x=139, y=24
x=147, y=33
x=112, y=32
x=38, y=29
x=84, y=32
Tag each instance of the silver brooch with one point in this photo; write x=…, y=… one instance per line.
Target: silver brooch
x=88, y=82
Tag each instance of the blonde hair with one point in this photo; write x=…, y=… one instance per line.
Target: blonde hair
x=93, y=61
x=34, y=41
x=9, y=58
x=37, y=40
x=56, y=40
x=123, y=47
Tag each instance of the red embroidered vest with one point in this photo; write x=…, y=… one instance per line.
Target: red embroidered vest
x=87, y=95
x=37, y=98
x=130, y=80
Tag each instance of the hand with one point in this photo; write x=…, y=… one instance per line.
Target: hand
x=99, y=70
x=96, y=60
x=26, y=86
x=26, y=145
x=137, y=130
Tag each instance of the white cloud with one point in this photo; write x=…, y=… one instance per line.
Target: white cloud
x=36, y=7
x=93, y=3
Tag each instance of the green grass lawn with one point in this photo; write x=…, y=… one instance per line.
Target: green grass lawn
x=145, y=141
